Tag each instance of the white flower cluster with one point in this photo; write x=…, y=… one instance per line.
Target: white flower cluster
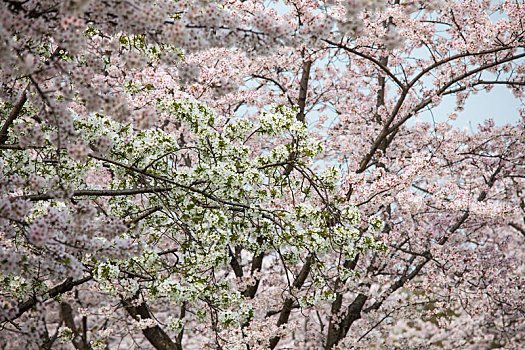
x=65, y=334
x=106, y=271
x=235, y=192
x=173, y=290
x=175, y=325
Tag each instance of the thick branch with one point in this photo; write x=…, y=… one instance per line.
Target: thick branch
x=383, y=134
x=15, y=112
x=66, y=312
x=517, y=228
x=453, y=81
x=15, y=147
x=353, y=313
x=452, y=58
x=256, y=266
x=236, y=267
x=303, y=89
x=144, y=215
x=155, y=335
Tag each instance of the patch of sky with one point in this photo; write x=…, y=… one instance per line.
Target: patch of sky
x=499, y=104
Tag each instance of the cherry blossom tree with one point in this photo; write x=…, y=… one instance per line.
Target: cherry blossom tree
x=257, y=174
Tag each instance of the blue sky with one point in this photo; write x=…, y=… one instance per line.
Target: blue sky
x=498, y=104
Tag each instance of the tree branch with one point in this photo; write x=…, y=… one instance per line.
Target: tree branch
x=289, y=302
x=451, y=82
x=62, y=288
x=66, y=312
x=15, y=112
x=303, y=89
x=450, y=59
x=165, y=179
x=301, y=101
x=333, y=328
x=276, y=83
x=371, y=59
x=101, y=193
x=517, y=228
x=236, y=267
x=155, y=335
